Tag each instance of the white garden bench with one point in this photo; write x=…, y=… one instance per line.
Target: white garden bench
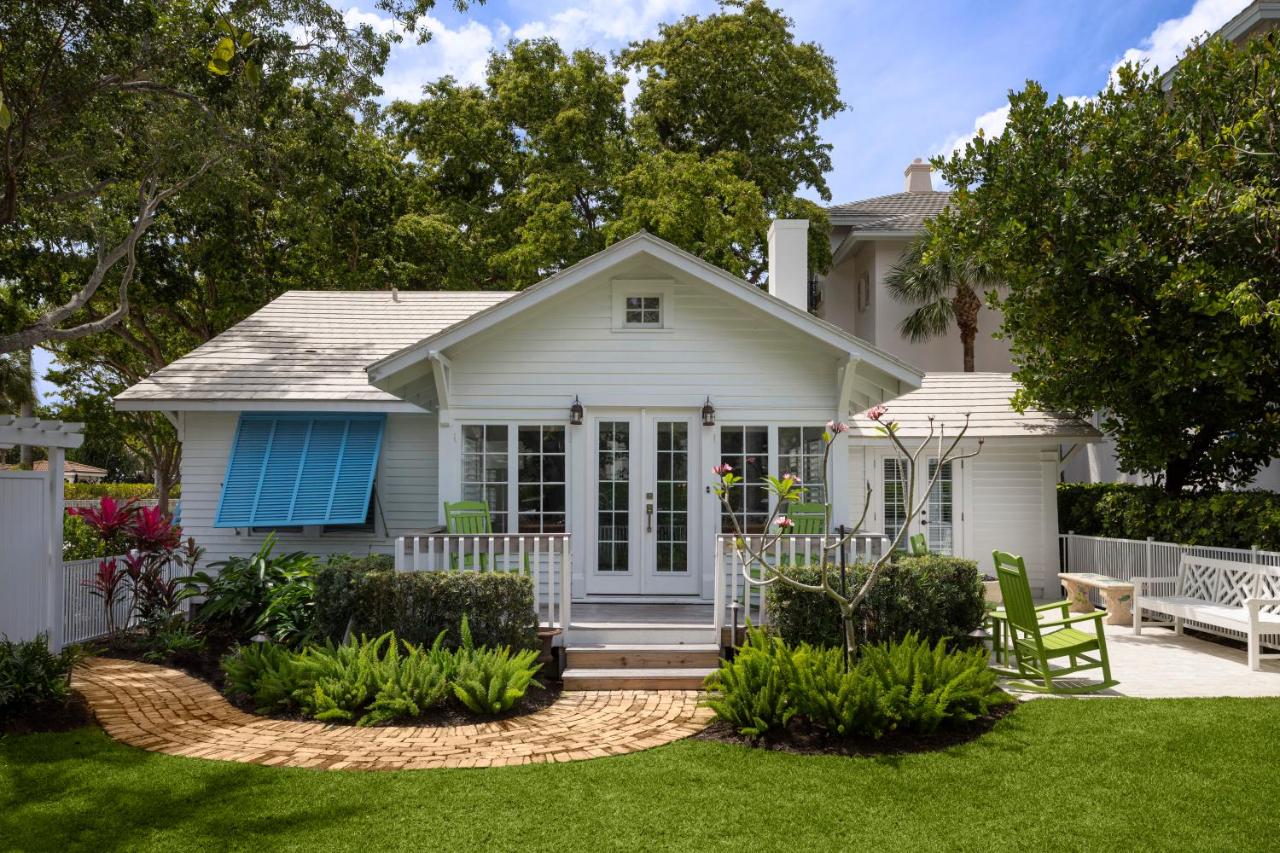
x=1223, y=593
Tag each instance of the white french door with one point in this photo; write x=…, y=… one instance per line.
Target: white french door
x=941, y=516
x=644, y=508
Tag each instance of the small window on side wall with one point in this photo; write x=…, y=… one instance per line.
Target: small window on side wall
x=643, y=312
x=643, y=305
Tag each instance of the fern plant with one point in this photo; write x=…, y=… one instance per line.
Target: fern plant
x=841, y=701
x=491, y=681
x=753, y=692
x=931, y=685
x=269, y=674
x=411, y=685
x=344, y=678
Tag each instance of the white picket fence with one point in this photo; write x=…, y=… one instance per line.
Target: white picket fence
x=83, y=503
x=84, y=616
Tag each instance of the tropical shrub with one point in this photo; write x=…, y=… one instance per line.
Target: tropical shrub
x=119, y=491
x=268, y=594
x=1125, y=511
x=490, y=681
x=755, y=691
x=80, y=541
x=31, y=675
x=371, y=681
x=934, y=596
x=910, y=686
x=152, y=548
x=368, y=597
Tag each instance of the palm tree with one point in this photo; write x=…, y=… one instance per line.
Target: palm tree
x=944, y=288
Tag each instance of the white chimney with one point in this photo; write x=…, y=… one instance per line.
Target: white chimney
x=918, y=180
x=789, y=261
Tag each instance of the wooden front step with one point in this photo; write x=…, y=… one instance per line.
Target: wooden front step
x=616, y=656
x=635, y=678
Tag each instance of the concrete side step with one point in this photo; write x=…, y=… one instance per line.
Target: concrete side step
x=638, y=634
x=614, y=656
x=685, y=678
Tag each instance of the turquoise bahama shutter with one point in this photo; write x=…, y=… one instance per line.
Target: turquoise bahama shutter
x=290, y=470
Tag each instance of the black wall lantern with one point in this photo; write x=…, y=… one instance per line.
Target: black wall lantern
x=575, y=412
x=708, y=413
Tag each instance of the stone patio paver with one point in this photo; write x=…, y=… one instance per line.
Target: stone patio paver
x=1162, y=665
x=164, y=710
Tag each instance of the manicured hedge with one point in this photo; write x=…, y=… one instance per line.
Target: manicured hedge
x=934, y=596
x=374, y=599
x=119, y=491
x=1123, y=511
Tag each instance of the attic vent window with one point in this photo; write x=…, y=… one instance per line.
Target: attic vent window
x=643, y=312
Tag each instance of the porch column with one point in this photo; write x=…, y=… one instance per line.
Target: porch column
x=1048, y=521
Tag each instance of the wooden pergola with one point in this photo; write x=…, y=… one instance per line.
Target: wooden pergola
x=56, y=437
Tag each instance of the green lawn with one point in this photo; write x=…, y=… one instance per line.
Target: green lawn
x=1112, y=773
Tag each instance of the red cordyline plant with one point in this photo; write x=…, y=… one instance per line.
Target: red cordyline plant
x=152, y=543
x=754, y=552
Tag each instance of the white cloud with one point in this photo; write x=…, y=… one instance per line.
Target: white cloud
x=991, y=124
x=605, y=24
x=461, y=52
x=1170, y=38
x=1159, y=49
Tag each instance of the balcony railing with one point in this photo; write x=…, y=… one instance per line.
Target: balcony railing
x=546, y=557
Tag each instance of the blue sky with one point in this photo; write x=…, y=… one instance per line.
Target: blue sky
x=918, y=77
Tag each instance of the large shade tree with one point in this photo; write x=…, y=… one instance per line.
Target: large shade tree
x=1139, y=236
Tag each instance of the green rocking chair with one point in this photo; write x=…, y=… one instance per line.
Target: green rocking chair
x=1034, y=647
x=471, y=518
x=806, y=520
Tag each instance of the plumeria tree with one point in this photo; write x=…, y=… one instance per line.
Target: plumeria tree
x=756, y=554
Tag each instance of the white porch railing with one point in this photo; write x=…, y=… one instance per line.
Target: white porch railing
x=84, y=615
x=748, y=599
x=546, y=556
x=1130, y=558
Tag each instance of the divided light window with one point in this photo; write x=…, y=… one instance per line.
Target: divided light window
x=746, y=448
x=800, y=452
x=643, y=311
x=520, y=472
x=895, y=495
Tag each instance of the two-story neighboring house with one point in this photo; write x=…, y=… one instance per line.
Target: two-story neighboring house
x=868, y=238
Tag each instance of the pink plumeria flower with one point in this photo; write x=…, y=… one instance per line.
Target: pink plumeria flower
x=876, y=412
x=785, y=522
x=722, y=469
x=836, y=427
x=792, y=477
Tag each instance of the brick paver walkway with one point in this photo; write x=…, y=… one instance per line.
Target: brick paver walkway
x=164, y=710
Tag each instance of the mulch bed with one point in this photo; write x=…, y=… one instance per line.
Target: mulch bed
x=802, y=739
x=50, y=717
x=205, y=666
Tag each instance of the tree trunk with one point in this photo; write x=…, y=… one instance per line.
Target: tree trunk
x=967, y=305
x=1177, y=472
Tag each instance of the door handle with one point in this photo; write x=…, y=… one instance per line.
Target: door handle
x=648, y=518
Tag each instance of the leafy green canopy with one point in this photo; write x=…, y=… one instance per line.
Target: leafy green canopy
x=1139, y=235
x=543, y=164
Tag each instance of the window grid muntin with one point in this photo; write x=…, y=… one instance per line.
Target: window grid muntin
x=746, y=448
x=541, y=478
x=485, y=470
x=895, y=495
x=940, y=531
x=613, y=513
x=800, y=451
x=672, y=504
x=642, y=311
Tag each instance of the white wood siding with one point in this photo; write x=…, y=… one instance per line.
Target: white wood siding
x=743, y=358
x=406, y=485
x=1006, y=500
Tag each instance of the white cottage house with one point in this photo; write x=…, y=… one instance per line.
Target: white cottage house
x=586, y=411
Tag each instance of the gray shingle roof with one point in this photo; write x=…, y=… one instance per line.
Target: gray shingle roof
x=310, y=345
x=985, y=396
x=897, y=212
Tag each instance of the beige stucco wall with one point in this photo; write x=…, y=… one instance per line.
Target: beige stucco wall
x=879, y=322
